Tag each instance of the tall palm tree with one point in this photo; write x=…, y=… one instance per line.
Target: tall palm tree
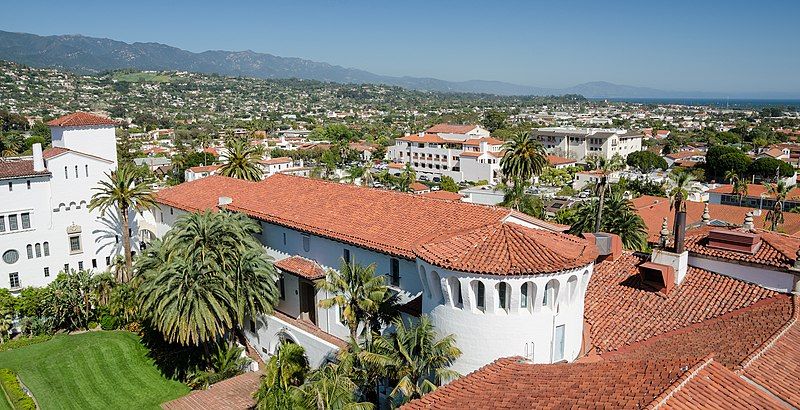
x=357, y=292
x=779, y=191
x=524, y=157
x=11, y=145
x=415, y=359
x=604, y=166
x=738, y=185
x=205, y=277
x=355, y=172
x=125, y=189
x=285, y=371
x=680, y=185
x=619, y=218
x=367, y=179
x=406, y=178
x=242, y=161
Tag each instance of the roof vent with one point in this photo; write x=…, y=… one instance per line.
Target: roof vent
x=736, y=241
x=659, y=276
x=608, y=245
x=224, y=201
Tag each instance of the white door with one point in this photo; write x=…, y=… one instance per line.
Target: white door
x=558, y=344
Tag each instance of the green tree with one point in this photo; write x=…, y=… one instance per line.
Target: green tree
x=494, y=120
x=619, y=217
x=207, y=275
x=69, y=300
x=604, y=166
x=330, y=387
x=285, y=371
x=357, y=292
x=242, y=161
x=448, y=184
x=720, y=159
x=766, y=168
x=646, y=161
x=125, y=190
x=516, y=198
x=524, y=158
x=774, y=216
x=406, y=178
x=417, y=361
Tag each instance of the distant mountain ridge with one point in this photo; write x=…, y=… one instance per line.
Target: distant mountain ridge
x=91, y=55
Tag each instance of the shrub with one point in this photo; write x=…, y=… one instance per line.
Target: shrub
x=108, y=322
x=16, y=396
x=26, y=341
x=91, y=325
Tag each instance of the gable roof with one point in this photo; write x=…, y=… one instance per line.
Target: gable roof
x=302, y=267
x=53, y=152
x=444, y=195
x=80, y=119
x=18, y=168
x=451, y=128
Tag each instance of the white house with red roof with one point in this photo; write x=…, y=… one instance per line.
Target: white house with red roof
x=462, y=152
x=579, y=143
x=45, y=224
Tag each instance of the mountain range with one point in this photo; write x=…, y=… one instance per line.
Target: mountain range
x=92, y=55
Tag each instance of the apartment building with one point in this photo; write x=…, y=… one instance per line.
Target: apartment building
x=579, y=143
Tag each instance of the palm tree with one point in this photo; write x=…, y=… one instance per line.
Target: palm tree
x=524, y=157
x=738, y=185
x=283, y=374
x=406, y=178
x=620, y=219
x=367, y=179
x=415, y=359
x=11, y=145
x=516, y=198
x=226, y=362
x=680, y=186
x=775, y=215
x=242, y=161
x=357, y=292
x=205, y=277
x=355, y=172
x=605, y=167
x=330, y=387
x=124, y=189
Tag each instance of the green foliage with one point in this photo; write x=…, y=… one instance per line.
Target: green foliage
x=721, y=159
x=242, y=161
x=17, y=397
x=448, y=184
x=285, y=371
x=68, y=300
x=516, y=197
x=765, y=168
x=31, y=301
x=24, y=341
x=524, y=158
x=566, y=190
x=226, y=362
x=646, y=161
x=494, y=120
x=108, y=322
x=618, y=217
x=639, y=187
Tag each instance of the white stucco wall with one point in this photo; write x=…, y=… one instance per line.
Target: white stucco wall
x=770, y=279
x=98, y=140
x=270, y=331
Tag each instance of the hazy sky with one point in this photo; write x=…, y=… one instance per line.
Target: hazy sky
x=725, y=46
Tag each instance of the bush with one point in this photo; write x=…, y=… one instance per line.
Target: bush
x=27, y=341
x=92, y=325
x=108, y=322
x=18, y=399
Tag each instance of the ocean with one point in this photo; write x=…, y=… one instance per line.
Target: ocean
x=714, y=102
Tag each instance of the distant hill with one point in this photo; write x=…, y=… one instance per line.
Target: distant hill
x=91, y=55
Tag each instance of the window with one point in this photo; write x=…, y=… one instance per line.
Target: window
x=282, y=287
x=46, y=247
x=46, y=272
x=76, y=171
x=29, y=248
x=38, y=250
x=10, y=256
x=66, y=268
x=10, y=186
x=94, y=263
x=558, y=344
x=394, y=273
x=523, y=300
x=252, y=326
x=284, y=238
x=75, y=244
x=480, y=294
x=502, y=295
x=13, y=225
x=66, y=173
x=26, y=220
x=108, y=261
x=28, y=183
x=80, y=265
x=86, y=168
x=346, y=256
x=306, y=243
x=13, y=279
x=550, y=293
x=2, y=223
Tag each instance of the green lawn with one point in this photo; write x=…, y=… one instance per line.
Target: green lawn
x=100, y=370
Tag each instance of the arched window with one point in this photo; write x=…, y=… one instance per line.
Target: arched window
x=38, y=248
x=455, y=291
x=436, y=287
x=503, y=296
x=424, y=281
x=528, y=295
x=572, y=288
x=550, y=294
x=29, y=248
x=585, y=280
x=480, y=295
x=46, y=247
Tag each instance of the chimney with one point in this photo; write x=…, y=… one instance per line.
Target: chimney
x=224, y=201
x=38, y=159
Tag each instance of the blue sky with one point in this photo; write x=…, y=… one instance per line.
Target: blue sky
x=724, y=46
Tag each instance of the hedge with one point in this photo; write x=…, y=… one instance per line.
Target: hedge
x=16, y=397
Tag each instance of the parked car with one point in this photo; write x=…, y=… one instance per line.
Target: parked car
x=423, y=178
x=437, y=179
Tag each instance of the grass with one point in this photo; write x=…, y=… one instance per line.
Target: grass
x=142, y=77
x=94, y=370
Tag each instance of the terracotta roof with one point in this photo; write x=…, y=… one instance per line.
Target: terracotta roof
x=279, y=160
x=386, y=221
x=53, y=151
x=204, y=168
x=653, y=209
x=450, y=129
x=470, y=154
x=441, y=194
x=311, y=328
x=418, y=186
x=685, y=154
x=755, y=191
x=302, y=267
x=773, y=152
x=427, y=138
x=18, y=168
x=397, y=165
x=621, y=309
x=478, y=141
x=235, y=393
x=556, y=160
x=80, y=119
x=507, y=249
x=776, y=250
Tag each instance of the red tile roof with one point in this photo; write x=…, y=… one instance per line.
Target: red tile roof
x=53, y=151
x=418, y=186
x=80, y=119
x=302, y=267
x=204, y=168
x=478, y=141
x=507, y=249
x=310, y=328
x=471, y=154
x=397, y=165
x=777, y=250
x=446, y=195
x=755, y=191
x=556, y=160
x=235, y=393
x=427, y=138
x=381, y=220
x=18, y=168
x=450, y=129
x=279, y=160
x=621, y=309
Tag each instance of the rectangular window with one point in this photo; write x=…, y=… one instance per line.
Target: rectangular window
x=13, y=279
x=94, y=263
x=25, y=217
x=75, y=244
x=38, y=250
x=2, y=223
x=395, y=272
x=284, y=239
x=523, y=300
x=346, y=256
x=558, y=344
x=282, y=287
x=10, y=186
x=13, y=225
x=252, y=326
x=80, y=265
x=306, y=243
x=66, y=268
x=76, y=171
x=28, y=183
x=86, y=168
x=46, y=272
x=66, y=173
x=108, y=261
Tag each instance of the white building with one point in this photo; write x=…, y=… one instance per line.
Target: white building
x=525, y=296
x=281, y=164
x=200, y=171
x=579, y=143
x=45, y=224
x=463, y=152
